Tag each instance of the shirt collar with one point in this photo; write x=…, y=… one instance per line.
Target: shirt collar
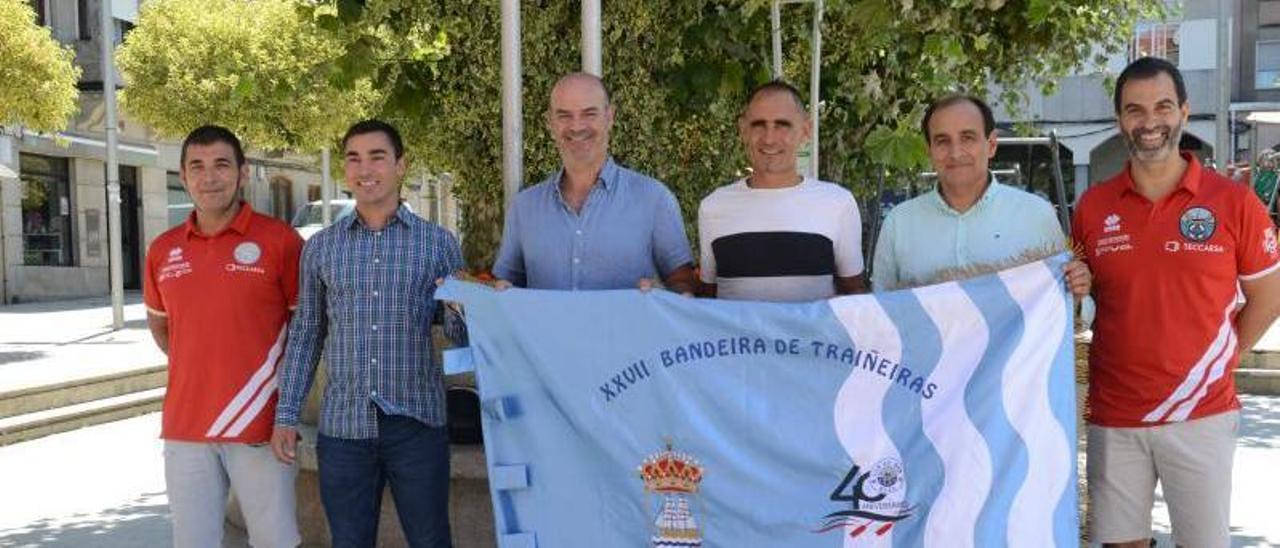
x=1190, y=180
x=608, y=177
x=240, y=224
x=402, y=216
x=993, y=188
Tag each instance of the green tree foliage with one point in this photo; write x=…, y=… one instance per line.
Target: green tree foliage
x=261, y=67
x=37, y=77
x=679, y=72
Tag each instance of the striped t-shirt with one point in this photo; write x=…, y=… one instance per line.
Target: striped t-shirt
x=779, y=244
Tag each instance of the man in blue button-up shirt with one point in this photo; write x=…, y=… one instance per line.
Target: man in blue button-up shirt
x=365, y=299
x=593, y=224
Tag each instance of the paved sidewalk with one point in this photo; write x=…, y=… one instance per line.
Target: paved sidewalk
x=52, y=342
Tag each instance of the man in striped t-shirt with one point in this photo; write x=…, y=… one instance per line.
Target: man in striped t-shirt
x=778, y=235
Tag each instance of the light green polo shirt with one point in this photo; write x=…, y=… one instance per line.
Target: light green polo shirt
x=923, y=237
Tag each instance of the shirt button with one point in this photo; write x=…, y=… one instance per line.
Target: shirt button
x=373, y=360
x=375, y=293
x=576, y=260
x=373, y=393
x=378, y=233
x=376, y=260
x=375, y=328
x=578, y=232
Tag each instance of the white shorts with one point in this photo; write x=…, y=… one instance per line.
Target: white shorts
x=1192, y=460
x=198, y=476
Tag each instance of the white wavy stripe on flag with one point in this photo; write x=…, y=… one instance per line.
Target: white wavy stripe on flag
x=1025, y=391
x=1223, y=343
x=1216, y=372
x=253, y=410
x=859, y=402
x=965, y=457
x=265, y=372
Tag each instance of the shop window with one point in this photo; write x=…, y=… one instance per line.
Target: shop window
x=281, y=198
x=47, y=239
x=1155, y=40
x=179, y=201
x=1267, y=73
x=40, y=9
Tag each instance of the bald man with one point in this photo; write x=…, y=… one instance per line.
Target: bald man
x=593, y=224
x=778, y=235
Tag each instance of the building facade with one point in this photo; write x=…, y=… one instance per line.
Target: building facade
x=1082, y=113
x=54, y=235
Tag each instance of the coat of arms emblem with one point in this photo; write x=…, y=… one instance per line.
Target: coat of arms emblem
x=674, y=477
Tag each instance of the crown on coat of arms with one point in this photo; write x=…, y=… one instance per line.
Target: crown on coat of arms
x=671, y=472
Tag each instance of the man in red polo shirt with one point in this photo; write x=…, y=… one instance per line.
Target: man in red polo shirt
x=219, y=290
x=1171, y=245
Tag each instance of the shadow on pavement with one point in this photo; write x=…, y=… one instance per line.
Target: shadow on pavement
x=66, y=305
x=20, y=356
x=1259, y=422
x=140, y=524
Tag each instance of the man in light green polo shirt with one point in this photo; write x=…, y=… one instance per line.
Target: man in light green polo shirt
x=969, y=221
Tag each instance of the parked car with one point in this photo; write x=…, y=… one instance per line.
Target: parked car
x=310, y=216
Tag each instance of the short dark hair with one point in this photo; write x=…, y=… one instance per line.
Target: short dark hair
x=208, y=135
x=988, y=119
x=777, y=85
x=1150, y=67
x=376, y=126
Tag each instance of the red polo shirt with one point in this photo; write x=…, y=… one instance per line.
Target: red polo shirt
x=227, y=297
x=1165, y=278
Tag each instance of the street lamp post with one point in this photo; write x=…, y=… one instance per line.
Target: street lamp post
x=592, y=52
x=116, y=251
x=512, y=112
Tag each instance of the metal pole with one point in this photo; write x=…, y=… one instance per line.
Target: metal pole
x=326, y=188
x=512, y=115
x=1221, y=148
x=591, y=48
x=775, y=16
x=1059, y=187
x=116, y=251
x=815, y=74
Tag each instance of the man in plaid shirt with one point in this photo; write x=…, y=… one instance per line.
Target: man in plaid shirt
x=365, y=299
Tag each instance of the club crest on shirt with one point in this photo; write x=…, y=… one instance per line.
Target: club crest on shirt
x=1269, y=244
x=247, y=253
x=1197, y=224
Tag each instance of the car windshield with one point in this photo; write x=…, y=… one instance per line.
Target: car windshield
x=313, y=214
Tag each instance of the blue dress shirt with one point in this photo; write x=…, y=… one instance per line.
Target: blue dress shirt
x=629, y=228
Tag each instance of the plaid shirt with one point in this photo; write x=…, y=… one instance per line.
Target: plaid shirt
x=366, y=300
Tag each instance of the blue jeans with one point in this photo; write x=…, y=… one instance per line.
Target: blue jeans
x=410, y=456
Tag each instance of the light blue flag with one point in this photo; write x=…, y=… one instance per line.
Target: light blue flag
x=940, y=416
